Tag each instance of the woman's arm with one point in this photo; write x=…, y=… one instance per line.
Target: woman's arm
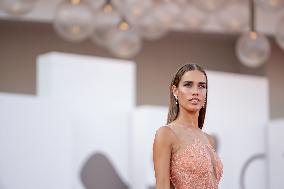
x=162, y=148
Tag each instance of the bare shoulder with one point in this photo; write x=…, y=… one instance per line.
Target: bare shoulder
x=164, y=135
x=211, y=140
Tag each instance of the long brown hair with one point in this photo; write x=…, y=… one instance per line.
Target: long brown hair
x=173, y=107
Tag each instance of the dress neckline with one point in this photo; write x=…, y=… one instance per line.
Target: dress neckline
x=204, y=145
x=190, y=145
x=183, y=126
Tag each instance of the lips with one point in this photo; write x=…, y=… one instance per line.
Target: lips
x=194, y=100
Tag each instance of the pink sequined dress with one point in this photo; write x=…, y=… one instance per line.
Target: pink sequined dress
x=194, y=162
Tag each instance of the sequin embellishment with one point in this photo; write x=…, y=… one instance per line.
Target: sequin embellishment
x=193, y=168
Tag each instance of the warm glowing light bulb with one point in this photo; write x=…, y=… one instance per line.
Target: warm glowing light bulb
x=107, y=8
x=75, y=2
x=75, y=30
x=123, y=25
x=253, y=35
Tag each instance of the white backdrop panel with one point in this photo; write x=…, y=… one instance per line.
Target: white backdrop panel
x=146, y=120
x=86, y=81
x=102, y=93
x=276, y=154
x=35, y=144
x=238, y=106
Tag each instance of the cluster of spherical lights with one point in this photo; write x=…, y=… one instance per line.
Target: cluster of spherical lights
x=120, y=25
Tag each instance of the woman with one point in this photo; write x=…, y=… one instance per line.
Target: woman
x=185, y=156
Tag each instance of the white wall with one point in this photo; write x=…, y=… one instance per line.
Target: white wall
x=83, y=108
x=35, y=143
x=238, y=114
x=101, y=93
x=146, y=119
x=276, y=154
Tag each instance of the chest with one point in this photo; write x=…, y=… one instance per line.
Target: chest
x=195, y=158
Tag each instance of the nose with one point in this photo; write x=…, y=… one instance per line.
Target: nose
x=195, y=90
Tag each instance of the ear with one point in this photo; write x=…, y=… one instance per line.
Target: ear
x=174, y=90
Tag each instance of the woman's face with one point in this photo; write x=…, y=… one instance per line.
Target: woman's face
x=191, y=90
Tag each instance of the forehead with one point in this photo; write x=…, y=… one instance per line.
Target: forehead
x=194, y=75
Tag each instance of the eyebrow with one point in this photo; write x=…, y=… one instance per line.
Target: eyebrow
x=192, y=82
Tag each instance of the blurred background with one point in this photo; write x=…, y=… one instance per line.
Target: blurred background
x=65, y=61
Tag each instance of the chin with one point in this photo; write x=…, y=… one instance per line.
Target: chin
x=193, y=109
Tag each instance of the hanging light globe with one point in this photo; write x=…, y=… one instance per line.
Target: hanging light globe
x=158, y=20
x=235, y=16
x=252, y=49
x=104, y=21
x=134, y=9
x=271, y=5
x=17, y=7
x=124, y=42
x=191, y=18
x=74, y=20
x=210, y=5
x=97, y=4
x=167, y=13
x=150, y=27
x=279, y=33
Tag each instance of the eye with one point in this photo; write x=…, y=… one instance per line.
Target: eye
x=202, y=86
x=187, y=85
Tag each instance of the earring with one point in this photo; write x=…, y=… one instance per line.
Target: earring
x=176, y=98
x=204, y=103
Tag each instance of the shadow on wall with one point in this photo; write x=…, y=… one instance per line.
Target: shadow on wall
x=98, y=173
x=216, y=141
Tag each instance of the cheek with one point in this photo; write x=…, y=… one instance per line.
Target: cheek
x=184, y=93
x=203, y=96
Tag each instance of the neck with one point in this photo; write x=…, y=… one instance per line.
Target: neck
x=187, y=119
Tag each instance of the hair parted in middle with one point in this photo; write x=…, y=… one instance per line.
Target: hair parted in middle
x=173, y=106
